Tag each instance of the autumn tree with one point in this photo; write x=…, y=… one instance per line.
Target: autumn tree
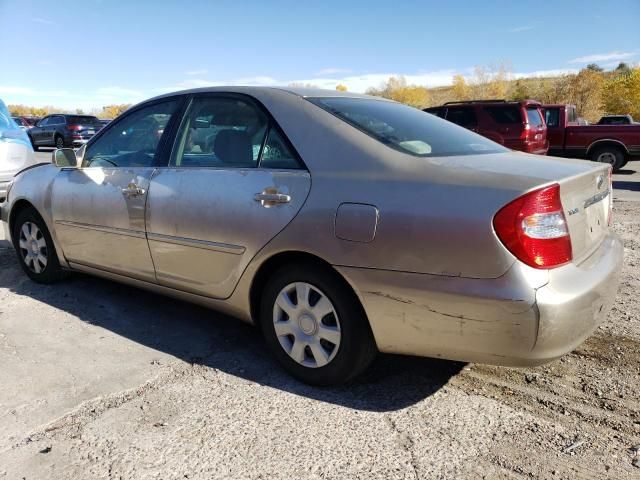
x=491, y=81
x=112, y=111
x=341, y=88
x=585, y=92
x=396, y=88
x=461, y=91
x=621, y=93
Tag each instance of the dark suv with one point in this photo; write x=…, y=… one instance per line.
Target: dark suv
x=516, y=125
x=63, y=130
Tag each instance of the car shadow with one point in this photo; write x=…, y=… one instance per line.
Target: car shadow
x=623, y=185
x=202, y=336
x=625, y=171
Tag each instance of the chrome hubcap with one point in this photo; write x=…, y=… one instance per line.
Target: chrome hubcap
x=607, y=157
x=33, y=247
x=306, y=324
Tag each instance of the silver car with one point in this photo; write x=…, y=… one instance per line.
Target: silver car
x=340, y=224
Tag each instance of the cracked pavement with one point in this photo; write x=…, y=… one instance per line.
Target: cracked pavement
x=101, y=380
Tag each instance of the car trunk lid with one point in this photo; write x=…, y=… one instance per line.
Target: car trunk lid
x=586, y=199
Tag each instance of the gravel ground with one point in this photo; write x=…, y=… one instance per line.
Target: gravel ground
x=103, y=381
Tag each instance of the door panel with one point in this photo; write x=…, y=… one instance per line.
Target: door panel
x=99, y=219
x=205, y=224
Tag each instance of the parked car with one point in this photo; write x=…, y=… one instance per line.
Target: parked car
x=386, y=229
x=64, y=130
x=616, y=120
x=16, y=153
x=611, y=144
x=516, y=125
x=22, y=123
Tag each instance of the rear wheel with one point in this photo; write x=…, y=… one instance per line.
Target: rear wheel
x=315, y=326
x=35, y=249
x=59, y=142
x=611, y=155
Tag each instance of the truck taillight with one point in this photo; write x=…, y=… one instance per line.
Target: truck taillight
x=534, y=229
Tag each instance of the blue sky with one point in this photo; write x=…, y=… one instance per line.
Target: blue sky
x=96, y=52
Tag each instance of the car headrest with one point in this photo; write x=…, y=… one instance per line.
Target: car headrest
x=233, y=147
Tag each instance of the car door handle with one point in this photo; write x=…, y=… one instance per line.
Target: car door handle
x=133, y=190
x=268, y=199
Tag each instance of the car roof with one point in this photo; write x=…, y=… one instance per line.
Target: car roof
x=257, y=91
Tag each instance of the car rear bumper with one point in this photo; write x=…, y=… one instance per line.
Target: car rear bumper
x=525, y=317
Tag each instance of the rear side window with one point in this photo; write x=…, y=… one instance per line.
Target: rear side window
x=465, y=117
x=437, y=111
x=571, y=114
x=276, y=152
x=505, y=114
x=534, y=117
x=405, y=128
x=83, y=120
x=552, y=117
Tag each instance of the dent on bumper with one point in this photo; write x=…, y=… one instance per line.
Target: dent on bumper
x=576, y=300
x=525, y=317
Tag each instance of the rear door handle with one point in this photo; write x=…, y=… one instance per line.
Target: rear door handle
x=133, y=190
x=268, y=199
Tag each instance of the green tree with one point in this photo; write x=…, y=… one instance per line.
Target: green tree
x=594, y=67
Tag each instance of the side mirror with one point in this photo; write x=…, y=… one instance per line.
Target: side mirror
x=64, y=157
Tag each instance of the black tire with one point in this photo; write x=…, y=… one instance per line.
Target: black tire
x=356, y=349
x=51, y=272
x=59, y=141
x=611, y=155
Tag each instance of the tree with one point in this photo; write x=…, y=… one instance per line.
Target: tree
x=520, y=91
x=621, y=93
x=461, y=91
x=491, y=81
x=112, y=111
x=341, y=88
x=594, y=67
x=623, y=68
x=585, y=91
x=396, y=88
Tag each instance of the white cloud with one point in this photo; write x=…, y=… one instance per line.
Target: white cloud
x=523, y=28
x=603, y=57
x=44, y=21
x=332, y=71
x=202, y=71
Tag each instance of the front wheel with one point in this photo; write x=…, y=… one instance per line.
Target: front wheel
x=315, y=326
x=35, y=249
x=611, y=155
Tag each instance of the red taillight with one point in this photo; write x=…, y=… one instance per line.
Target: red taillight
x=526, y=129
x=533, y=227
x=74, y=128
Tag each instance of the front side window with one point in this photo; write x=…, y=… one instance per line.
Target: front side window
x=132, y=141
x=405, y=128
x=220, y=132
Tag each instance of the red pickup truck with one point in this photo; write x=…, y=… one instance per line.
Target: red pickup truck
x=613, y=144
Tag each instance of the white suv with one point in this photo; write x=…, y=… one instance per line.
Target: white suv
x=16, y=152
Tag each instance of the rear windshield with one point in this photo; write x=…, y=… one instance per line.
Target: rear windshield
x=83, y=120
x=505, y=114
x=534, y=117
x=407, y=129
